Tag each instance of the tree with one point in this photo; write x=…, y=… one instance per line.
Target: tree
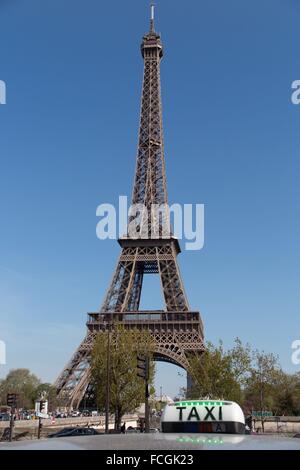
x=262, y=382
x=127, y=390
x=287, y=394
x=240, y=361
x=22, y=382
x=214, y=374
x=252, y=378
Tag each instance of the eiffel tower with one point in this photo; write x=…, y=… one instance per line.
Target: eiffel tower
x=177, y=331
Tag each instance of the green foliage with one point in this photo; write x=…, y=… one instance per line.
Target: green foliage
x=240, y=361
x=254, y=379
x=23, y=382
x=215, y=374
x=127, y=390
x=261, y=383
x=279, y=392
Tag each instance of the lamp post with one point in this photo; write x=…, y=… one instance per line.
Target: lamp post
x=147, y=394
x=143, y=371
x=107, y=380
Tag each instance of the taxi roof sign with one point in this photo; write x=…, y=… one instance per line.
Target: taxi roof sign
x=199, y=416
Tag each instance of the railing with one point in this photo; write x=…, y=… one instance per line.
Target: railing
x=158, y=316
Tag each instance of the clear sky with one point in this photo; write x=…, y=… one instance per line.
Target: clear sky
x=68, y=137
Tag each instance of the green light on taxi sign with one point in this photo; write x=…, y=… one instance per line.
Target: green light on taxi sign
x=202, y=403
x=197, y=440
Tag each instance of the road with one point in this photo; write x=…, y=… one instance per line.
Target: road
x=31, y=426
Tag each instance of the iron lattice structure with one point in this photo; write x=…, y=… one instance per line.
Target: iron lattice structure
x=177, y=331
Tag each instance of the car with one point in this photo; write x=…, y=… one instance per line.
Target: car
x=160, y=442
x=67, y=432
x=297, y=435
x=131, y=430
x=61, y=432
x=4, y=417
x=61, y=415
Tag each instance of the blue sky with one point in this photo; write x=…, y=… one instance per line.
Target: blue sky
x=68, y=137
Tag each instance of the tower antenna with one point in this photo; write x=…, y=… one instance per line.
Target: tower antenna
x=152, y=7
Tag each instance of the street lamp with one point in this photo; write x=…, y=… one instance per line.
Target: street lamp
x=109, y=325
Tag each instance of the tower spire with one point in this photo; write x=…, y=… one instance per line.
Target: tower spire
x=152, y=7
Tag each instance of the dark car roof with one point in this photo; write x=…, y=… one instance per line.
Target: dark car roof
x=62, y=431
